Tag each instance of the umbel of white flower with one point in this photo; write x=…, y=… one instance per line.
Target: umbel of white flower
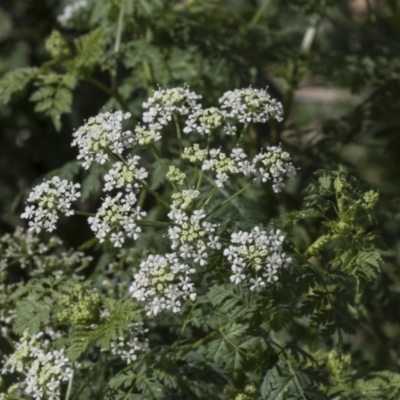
x=129, y=348
x=164, y=102
x=162, y=282
x=102, y=135
x=117, y=214
x=44, y=370
x=257, y=255
x=47, y=199
x=251, y=105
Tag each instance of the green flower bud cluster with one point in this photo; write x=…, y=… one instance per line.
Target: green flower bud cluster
x=80, y=307
x=185, y=199
x=147, y=135
x=56, y=45
x=203, y=121
x=175, y=175
x=370, y=200
x=192, y=232
x=249, y=393
x=337, y=365
x=222, y=163
x=352, y=205
x=194, y=153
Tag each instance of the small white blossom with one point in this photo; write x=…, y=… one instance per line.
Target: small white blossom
x=129, y=348
x=124, y=174
x=50, y=197
x=161, y=282
x=100, y=135
x=147, y=135
x=164, y=102
x=117, y=214
x=194, y=153
x=251, y=105
x=203, y=121
x=275, y=165
x=70, y=10
x=44, y=369
x=256, y=254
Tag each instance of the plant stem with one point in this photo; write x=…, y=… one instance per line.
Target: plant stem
x=119, y=30
x=260, y=12
x=112, y=93
x=196, y=345
x=69, y=386
x=163, y=167
x=201, y=171
x=242, y=132
x=154, y=193
x=84, y=213
x=229, y=199
x=144, y=222
x=178, y=132
x=208, y=197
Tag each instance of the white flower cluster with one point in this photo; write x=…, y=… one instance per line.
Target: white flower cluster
x=117, y=213
x=48, y=198
x=162, y=281
x=124, y=174
x=275, y=164
x=100, y=135
x=175, y=175
x=45, y=369
x=221, y=164
x=165, y=102
x=128, y=349
x=258, y=254
x=147, y=135
x=251, y=105
x=192, y=237
x=203, y=121
x=194, y=153
x=69, y=11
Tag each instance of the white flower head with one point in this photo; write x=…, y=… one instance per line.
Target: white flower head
x=118, y=216
x=100, y=135
x=162, y=281
x=49, y=198
x=256, y=256
x=251, y=105
x=164, y=102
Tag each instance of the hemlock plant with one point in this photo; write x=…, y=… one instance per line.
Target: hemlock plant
x=188, y=288
x=227, y=289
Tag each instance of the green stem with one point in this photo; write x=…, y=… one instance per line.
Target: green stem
x=88, y=379
x=242, y=132
x=142, y=198
x=178, y=132
x=260, y=12
x=112, y=93
x=69, y=386
x=196, y=345
x=84, y=213
x=154, y=193
x=144, y=222
x=229, y=199
x=149, y=74
x=208, y=197
x=201, y=170
x=186, y=388
x=119, y=30
x=162, y=165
